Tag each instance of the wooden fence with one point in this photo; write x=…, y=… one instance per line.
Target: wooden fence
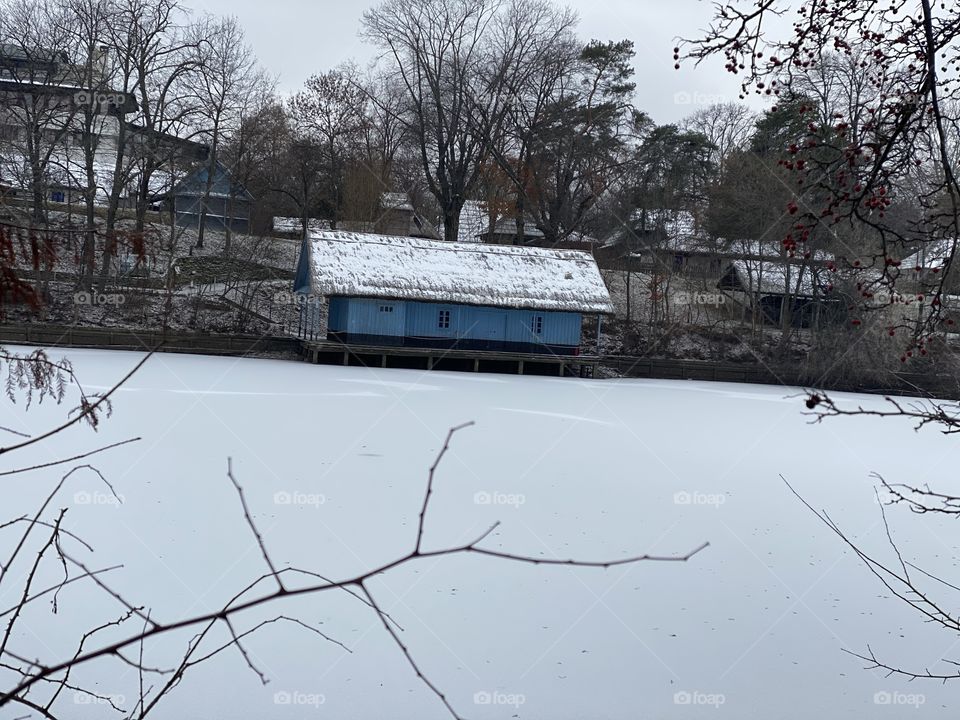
x=943, y=386
x=125, y=339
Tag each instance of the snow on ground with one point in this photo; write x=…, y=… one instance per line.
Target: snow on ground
x=334, y=462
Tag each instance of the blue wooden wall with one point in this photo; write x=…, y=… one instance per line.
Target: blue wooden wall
x=409, y=319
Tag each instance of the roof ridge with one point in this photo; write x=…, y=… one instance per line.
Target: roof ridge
x=373, y=238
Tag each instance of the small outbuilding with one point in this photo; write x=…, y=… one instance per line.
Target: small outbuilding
x=385, y=290
x=228, y=204
x=770, y=286
x=504, y=232
x=924, y=268
x=398, y=217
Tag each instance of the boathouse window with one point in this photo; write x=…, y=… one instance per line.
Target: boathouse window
x=443, y=321
x=386, y=308
x=536, y=324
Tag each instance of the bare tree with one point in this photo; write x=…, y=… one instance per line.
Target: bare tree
x=36, y=114
x=728, y=126
x=551, y=61
x=226, y=84
x=384, y=132
x=97, y=120
x=155, y=55
x=443, y=52
x=296, y=170
x=329, y=113
x=34, y=30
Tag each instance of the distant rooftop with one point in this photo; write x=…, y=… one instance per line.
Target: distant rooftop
x=768, y=277
x=932, y=255
x=396, y=201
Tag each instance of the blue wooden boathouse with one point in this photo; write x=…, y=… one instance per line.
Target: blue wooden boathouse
x=414, y=292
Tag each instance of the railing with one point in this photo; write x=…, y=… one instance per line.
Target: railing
x=913, y=384
x=126, y=339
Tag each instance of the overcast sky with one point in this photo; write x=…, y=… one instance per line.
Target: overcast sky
x=296, y=38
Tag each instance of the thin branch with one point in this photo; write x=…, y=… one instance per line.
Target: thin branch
x=253, y=527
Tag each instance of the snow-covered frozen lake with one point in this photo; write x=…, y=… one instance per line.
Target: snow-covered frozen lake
x=334, y=463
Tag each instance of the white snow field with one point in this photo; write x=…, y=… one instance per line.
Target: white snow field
x=334, y=464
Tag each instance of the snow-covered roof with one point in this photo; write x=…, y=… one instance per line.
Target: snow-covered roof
x=765, y=249
x=395, y=201
x=932, y=255
x=295, y=224
x=474, y=220
x=357, y=265
x=223, y=186
x=681, y=225
x=581, y=238
x=769, y=277
x=508, y=226
x=680, y=230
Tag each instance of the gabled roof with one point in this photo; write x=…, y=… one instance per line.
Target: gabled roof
x=400, y=202
x=295, y=224
x=223, y=186
x=673, y=230
x=768, y=277
x=187, y=149
x=395, y=201
x=474, y=220
x=771, y=250
x=932, y=255
x=359, y=265
x=508, y=226
x=38, y=60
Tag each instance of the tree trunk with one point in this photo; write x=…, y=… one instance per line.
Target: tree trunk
x=451, y=225
x=228, y=225
x=629, y=304
x=88, y=251
x=521, y=219
x=208, y=186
